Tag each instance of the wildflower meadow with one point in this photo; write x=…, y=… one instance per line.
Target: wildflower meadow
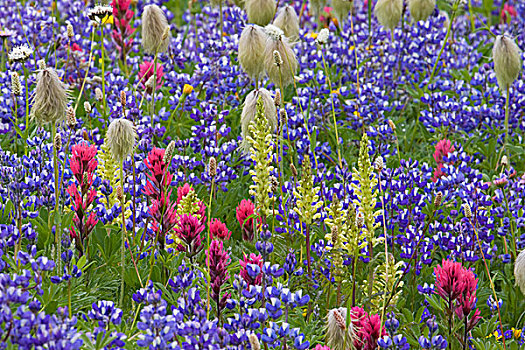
x=262, y=174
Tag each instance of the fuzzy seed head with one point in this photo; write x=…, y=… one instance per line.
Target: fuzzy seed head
x=150, y=84
x=277, y=99
x=57, y=142
x=519, y=271
x=70, y=31
x=41, y=64
x=438, y=199
x=251, y=50
x=507, y=61
x=50, y=97
x=277, y=59
x=468, y=211
x=388, y=12
x=155, y=38
x=71, y=119
x=275, y=184
x=339, y=336
x=254, y=342
x=120, y=138
x=250, y=110
x=16, y=86
x=285, y=71
x=260, y=11
x=288, y=21
x=420, y=10
x=392, y=125
x=504, y=161
x=212, y=167
x=283, y=117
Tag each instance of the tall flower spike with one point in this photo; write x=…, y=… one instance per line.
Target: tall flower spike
x=519, y=271
x=154, y=23
x=260, y=11
x=388, y=12
x=251, y=50
x=120, y=138
x=250, y=110
x=276, y=41
x=507, y=61
x=420, y=10
x=16, y=86
x=288, y=21
x=50, y=98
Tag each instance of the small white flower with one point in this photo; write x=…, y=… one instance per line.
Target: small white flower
x=322, y=37
x=274, y=32
x=99, y=12
x=20, y=53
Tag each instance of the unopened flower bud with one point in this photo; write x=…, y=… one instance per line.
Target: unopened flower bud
x=438, y=199
x=87, y=107
x=168, y=154
x=379, y=164
x=504, y=161
x=277, y=99
x=468, y=211
x=275, y=184
x=335, y=235
x=283, y=116
x=360, y=220
x=58, y=142
x=166, y=33
x=16, y=86
x=212, y=167
x=294, y=170
x=98, y=94
x=41, y=64
x=70, y=31
x=254, y=342
x=120, y=194
x=391, y=124
x=71, y=119
x=123, y=99
x=277, y=59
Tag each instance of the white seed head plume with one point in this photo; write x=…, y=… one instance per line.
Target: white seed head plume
x=41, y=64
x=507, y=61
x=98, y=94
x=170, y=151
x=420, y=10
x=341, y=10
x=388, y=12
x=278, y=42
x=322, y=37
x=150, y=84
x=250, y=109
x=50, y=97
x=120, y=138
x=154, y=23
x=16, y=86
x=288, y=21
x=251, y=50
x=468, y=210
x=339, y=336
x=519, y=271
x=260, y=12
x=277, y=59
x=71, y=119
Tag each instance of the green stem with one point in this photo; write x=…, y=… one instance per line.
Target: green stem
x=123, y=247
x=57, y=195
x=209, y=238
x=27, y=110
x=154, y=87
x=87, y=69
x=69, y=297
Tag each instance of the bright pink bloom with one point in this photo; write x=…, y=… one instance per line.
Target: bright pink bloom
x=122, y=32
x=217, y=259
x=219, y=230
x=450, y=282
x=251, y=269
x=147, y=69
x=508, y=10
x=83, y=165
x=367, y=328
x=75, y=47
x=245, y=213
x=321, y=347
x=162, y=210
x=443, y=149
x=188, y=229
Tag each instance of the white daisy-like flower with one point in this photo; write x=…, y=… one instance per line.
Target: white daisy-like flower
x=99, y=12
x=6, y=33
x=20, y=53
